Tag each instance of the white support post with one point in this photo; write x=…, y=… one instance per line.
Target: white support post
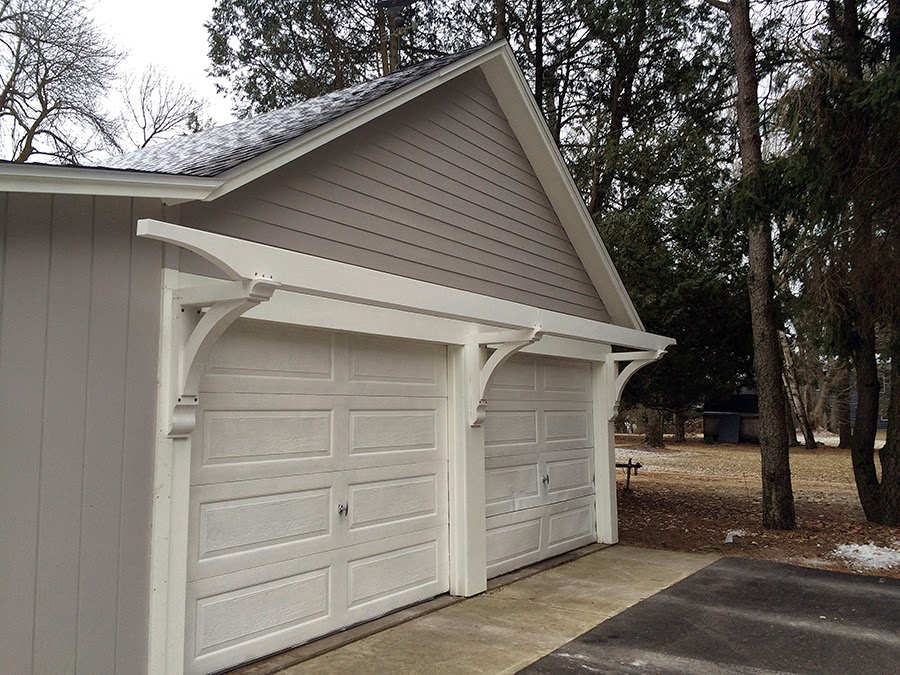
x=168, y=549
x=605, y=507
x=468, y=557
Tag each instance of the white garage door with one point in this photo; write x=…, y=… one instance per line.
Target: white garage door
x=538, y=461
x=318, y=488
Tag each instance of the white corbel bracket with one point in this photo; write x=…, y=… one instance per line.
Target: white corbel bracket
x=506, y=344
x=638, y=360
x=225, y=302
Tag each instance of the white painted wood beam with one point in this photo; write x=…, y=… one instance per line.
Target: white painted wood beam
x=468, y=546
x=301, y=273
x=226, y=302
x=506, y=344
x=605, y=504
x=638, y=360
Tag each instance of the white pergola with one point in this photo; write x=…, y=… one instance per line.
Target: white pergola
x=481, y=332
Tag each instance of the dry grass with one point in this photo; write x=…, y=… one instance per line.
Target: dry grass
x=689, y=495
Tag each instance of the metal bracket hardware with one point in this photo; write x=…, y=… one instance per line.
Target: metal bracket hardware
x=545, y=479
x=225, y=303
x=506, y=344
x=343, y=509
x=638, y=360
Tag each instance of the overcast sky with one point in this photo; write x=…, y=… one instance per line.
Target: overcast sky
x=168, y=33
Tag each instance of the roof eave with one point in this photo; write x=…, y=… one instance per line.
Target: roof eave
x=107, y=182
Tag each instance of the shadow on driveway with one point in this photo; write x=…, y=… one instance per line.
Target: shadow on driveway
x=746, y=616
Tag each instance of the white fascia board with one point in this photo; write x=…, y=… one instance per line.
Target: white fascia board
x=109, y=182
x=350, y=317
x=306, y=274
x=509, y=86
x=292, y=150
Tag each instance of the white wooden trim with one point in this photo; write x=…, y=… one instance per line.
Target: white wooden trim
x=170, y=505
x=95, y=181
x=468, y=552
x=605, y=503
x=342, y=315
x=301, y=273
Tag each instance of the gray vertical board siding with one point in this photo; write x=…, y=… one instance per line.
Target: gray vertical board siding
x=104, y=436
x=438, y=190
x=78, y=355
x=25, y=283
x=62, y=447
x=139, y=441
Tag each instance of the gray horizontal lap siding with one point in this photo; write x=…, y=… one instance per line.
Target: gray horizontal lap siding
x=79, y=320
x=438, y=190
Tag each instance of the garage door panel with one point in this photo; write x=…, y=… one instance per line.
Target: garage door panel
x=236, y=436
x=420, y=366
x=510, y=429
x=382, y=431
x=250, y=523
x=566, y=380
x=567, y=427
x=513, y=540
x=259, y=349
x=516, y=379
x=570, y=525
x=538, y=461
x=380, y=503
x=512, y=483
x=570, y=473
x=344, y=432
x=392, y=501
x=294, y=423
x=237, y=617
x=387, y=574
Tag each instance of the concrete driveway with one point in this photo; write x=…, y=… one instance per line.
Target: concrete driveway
x=629, y=610
x=747, y=616
x=504, y=629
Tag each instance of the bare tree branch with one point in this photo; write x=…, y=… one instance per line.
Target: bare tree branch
x=55, y=69
x=156, y=107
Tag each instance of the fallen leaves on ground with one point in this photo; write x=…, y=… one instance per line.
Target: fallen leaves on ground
x=689, y=496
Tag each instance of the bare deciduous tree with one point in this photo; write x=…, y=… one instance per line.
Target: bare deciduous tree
x=55, y=69
x=156, y=107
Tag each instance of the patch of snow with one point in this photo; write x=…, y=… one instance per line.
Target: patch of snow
x=868, y=556
x=731, y=534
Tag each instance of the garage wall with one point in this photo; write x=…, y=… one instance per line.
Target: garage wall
x=79, y=317
x=437, y=190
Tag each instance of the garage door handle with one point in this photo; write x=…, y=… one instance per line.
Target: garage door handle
x=343, y=509
x=545, y=479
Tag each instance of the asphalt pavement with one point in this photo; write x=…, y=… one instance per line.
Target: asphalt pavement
x=746, y=616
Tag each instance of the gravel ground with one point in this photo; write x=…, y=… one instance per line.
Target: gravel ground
x=690, y=496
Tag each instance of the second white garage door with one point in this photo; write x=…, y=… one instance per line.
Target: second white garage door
x=539, y=479
x=319, y=488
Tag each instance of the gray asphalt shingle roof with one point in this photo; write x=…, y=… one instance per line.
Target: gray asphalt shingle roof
x=211, y=152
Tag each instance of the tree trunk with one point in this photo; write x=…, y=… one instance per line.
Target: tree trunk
x=893, y=21
x=795, y=397
x=791, y=427
x=862, y=450
x=842, y=410
x=653, y=434
x=500, y=19
x=679, y=427
x=890, y=453
x=778, y=495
